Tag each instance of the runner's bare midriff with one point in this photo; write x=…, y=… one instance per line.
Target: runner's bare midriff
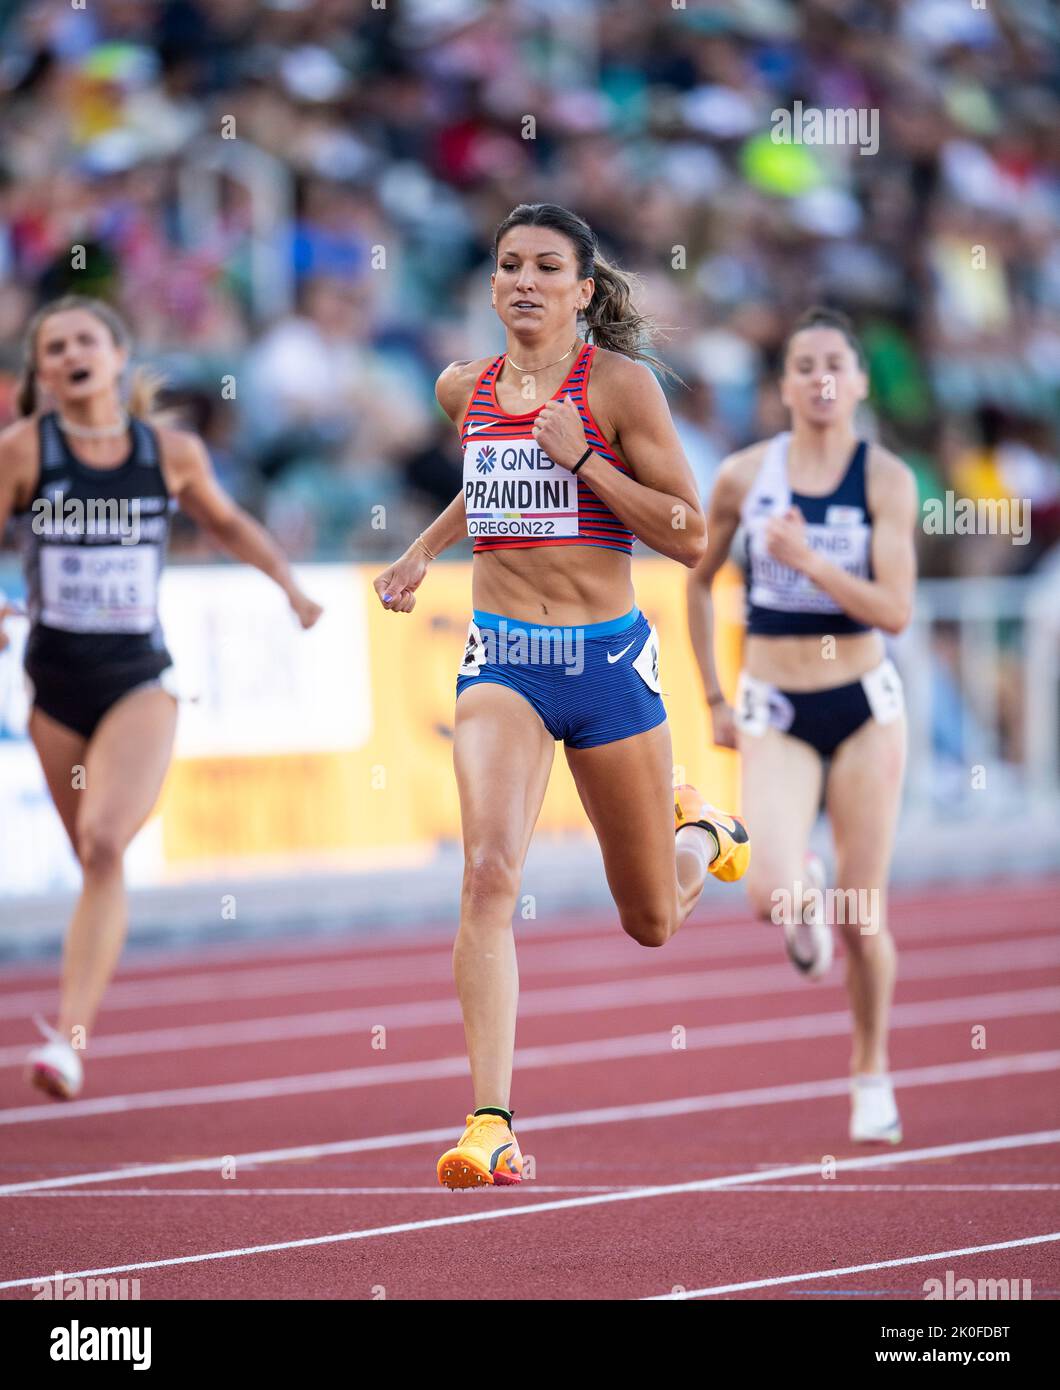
x=564, y=585
x=812, y=663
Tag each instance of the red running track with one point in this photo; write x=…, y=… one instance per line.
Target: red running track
x=262, y=1121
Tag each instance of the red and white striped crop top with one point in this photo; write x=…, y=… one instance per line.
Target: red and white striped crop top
x=514, y=495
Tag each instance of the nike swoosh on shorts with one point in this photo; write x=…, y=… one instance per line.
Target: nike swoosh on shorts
x=618, y=655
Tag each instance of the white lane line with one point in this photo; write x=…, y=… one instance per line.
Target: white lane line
x=852, y=1269
x=606, y=948
x=943, y=1074
x=798, y=1170
x=813, y=1187
x=911, y=912
x=1018, y=1003
x=1024, y=954
x=614, y=951
x=229, y=1191
x=833, y=1186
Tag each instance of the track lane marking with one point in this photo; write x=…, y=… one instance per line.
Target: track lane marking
x=940, y=1074
x=920, y=1014
x=434, y=1189
x=851, y=1269
x=731, y=937
x=940, y=1151
x=1026, y=954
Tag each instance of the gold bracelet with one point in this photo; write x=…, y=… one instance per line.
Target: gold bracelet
x=419, y=540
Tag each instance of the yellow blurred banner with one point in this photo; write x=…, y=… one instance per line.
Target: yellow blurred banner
x=337, y=744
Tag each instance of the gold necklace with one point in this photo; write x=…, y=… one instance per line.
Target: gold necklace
x=576, y=343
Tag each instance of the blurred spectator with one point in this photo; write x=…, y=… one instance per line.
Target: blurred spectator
x=334, y=254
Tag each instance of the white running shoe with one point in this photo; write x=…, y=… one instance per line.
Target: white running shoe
x=874, y=1115
x=54, y=1067
x=810, y=943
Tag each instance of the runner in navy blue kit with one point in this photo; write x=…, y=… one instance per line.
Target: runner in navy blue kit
x=828, y=521
x=569, y=453
x=91, y=487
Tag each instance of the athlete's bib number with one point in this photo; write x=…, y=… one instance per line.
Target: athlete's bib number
x=647, y=662
x=104, y=588
x=883, y=690
x=474, y=651
x=513, y=488
x=760, y=706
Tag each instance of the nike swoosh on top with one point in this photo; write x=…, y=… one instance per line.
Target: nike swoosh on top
x=736, y=830
x=473, y=429
x=618, y=655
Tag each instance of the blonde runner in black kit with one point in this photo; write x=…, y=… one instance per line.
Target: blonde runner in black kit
x=93, y=544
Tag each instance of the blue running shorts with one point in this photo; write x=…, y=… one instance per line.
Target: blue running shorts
x=591, y=684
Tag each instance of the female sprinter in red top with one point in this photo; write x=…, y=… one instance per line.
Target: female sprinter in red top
x=553, y=496
x=828, y=521
x=91, y=486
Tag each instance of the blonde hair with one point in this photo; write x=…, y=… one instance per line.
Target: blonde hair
x=144, y=385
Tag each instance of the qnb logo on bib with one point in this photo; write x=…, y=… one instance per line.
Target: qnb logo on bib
x=515, y=489
x=102, y=589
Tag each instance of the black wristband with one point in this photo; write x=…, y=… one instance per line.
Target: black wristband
x=581, y=460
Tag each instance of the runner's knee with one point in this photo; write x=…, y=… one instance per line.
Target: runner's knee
x=491, y=877
x=99, y=849
x=649, y=924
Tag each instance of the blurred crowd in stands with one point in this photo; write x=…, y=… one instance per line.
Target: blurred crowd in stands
x=298, y=197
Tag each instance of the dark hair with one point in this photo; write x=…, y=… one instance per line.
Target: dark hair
x=144, y=385
x=822, y=317
x=611, y=319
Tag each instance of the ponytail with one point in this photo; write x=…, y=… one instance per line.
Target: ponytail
x=144, y=386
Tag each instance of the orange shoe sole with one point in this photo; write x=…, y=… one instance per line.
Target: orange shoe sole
x=455, y=1171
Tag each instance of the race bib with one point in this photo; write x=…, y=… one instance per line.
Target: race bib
x=883, y=690
x=512, y=488
x=646, y=664
x=102, y=588
x=760, y=706
x=474, y=651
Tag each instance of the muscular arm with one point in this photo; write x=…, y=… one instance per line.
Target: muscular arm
x=397, y=584
x=453, y=390
x=658, y=503
x=722, y=520
x=190, y=478
x=886, y=600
